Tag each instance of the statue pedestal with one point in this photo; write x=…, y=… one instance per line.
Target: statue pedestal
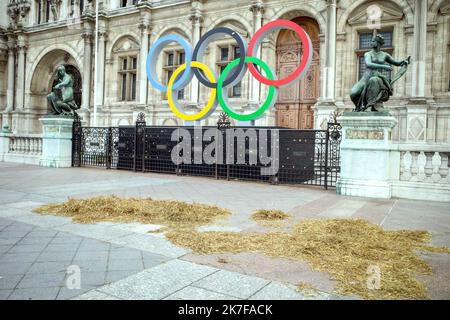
x=369, y=160
x=56, y=142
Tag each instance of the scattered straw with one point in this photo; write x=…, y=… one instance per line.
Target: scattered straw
x=345, y=248
x=269, y=215
x=112, y=208
x=306, y=289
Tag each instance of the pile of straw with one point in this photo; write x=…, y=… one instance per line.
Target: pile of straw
x=269, y=215
x=344, y=248
x=112, y=208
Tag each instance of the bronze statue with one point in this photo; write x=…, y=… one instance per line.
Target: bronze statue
x=374, y=88
x=61, y=98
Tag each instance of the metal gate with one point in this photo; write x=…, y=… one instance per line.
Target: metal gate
x=305, y=156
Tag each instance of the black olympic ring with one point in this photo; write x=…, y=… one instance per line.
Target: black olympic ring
x=238, y=73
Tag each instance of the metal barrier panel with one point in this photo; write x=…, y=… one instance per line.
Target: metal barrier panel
x=305, y=156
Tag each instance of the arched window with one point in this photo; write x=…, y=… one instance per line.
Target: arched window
x=125, y=56
x=173, y=59
x=226, y=54
x=127, y=77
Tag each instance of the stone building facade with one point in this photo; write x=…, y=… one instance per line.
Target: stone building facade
x=38, y=35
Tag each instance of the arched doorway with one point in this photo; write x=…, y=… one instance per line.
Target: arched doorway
x=76, y=81
x=42, y=80
x=294, y=108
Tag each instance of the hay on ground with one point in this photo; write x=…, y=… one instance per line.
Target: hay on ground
x=344, y=248
x=112, y=208
x=269, y=215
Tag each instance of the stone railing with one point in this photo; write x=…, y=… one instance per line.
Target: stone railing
x=25, y=145
x=20, y=148
x=421, y=166
x=424, y=173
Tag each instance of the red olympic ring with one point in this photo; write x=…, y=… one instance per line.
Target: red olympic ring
x=256, y=41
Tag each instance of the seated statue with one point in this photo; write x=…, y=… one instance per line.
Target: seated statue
x=374, y=88
x=61, y=98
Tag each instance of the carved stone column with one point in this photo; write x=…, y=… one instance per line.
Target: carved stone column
x=196, y=18
x=20, y=88
x=87, y=67
x=145, y=28
x=99, y=98
x=326, y=103
x=11, y=62
x=420, y=49
x=257, y=8
x=87, y=35
x=417, y=106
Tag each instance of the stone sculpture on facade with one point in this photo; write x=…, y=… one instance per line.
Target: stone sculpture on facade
x=61, y=99
x=17, y=12
x=374, y=88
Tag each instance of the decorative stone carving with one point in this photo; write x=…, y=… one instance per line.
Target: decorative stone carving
x=17, y=12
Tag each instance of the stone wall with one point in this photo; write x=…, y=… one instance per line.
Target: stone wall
x=421, y=100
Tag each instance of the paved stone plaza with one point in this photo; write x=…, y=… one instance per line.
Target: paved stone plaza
x=124, y=261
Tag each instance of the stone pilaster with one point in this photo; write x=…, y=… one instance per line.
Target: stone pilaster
x=196, y=19
x=257, y=8
x=87, y=36
x=145, y=28
x=420, y=49
x=417, y=106
x=11, y=76
x=99, y=92
x=87, y=68
x=326, y=103
x=20, y=88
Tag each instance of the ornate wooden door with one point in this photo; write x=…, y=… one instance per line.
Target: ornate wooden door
x=295, y=103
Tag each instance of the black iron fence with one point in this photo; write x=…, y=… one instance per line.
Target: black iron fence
x=305, y=156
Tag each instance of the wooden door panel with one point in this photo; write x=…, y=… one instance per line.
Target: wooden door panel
x=301, y=95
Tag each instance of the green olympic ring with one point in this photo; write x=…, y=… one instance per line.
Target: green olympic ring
x=222, y=96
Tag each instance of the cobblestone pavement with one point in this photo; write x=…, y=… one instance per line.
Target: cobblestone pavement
x=124, y=261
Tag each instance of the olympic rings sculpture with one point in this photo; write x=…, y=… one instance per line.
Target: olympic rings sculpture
x=231, y=75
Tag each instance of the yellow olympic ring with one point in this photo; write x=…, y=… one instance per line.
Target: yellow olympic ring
x=208, y=106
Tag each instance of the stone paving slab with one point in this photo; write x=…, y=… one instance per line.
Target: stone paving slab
x=194, y=293
x=95, y=295
x=277, y=291
x=34, y=294
x=158, y=282
x=232, y=283
x=33, y=265
x=31, y=243
x=93, y=231
x=42, y=220
x=153, y=243
x=69, y=189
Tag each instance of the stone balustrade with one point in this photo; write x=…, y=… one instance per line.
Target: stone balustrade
x=424, y=173
x=25, y=145
x=421, y=166
x=21, y=148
